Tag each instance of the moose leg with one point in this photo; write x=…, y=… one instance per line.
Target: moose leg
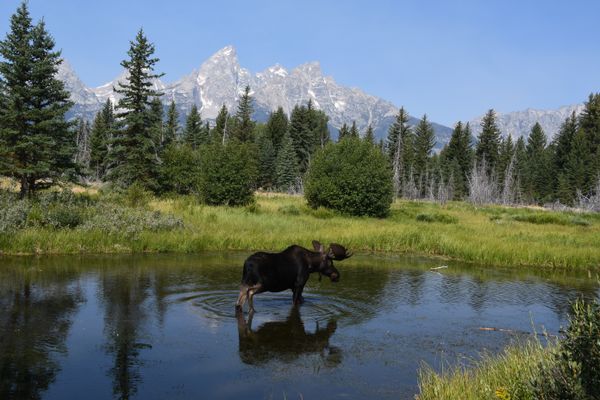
x=297, y=298
x=239, y=305
x=251, y=292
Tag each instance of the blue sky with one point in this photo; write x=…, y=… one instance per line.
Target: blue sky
x=450, y=59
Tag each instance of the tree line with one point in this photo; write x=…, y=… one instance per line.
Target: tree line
x=139, y=141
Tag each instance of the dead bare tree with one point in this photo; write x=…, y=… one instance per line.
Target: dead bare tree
x=509, y=189
x=482, y=186
x=590, y=202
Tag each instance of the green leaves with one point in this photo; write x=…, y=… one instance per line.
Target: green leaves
x=352, y=177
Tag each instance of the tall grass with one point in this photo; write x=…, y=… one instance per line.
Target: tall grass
x=505, y=376
x=488, y=235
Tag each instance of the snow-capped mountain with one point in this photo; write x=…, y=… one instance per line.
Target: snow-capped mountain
x=519, y=123
x=220, y=80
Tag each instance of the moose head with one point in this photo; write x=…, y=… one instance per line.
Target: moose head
x=334, y=252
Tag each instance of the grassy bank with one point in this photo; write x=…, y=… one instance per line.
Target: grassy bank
x=505, y=376
x=488, y=235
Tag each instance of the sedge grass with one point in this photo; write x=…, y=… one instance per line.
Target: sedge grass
x=487, y=235
x=508, y=375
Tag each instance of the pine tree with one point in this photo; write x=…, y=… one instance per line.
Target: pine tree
x=354, y=131
x=580, y=157
x=424, y=143
x=101, y=133
x=220, y=131
x=589, y=122
x=171, y=126
x=300, y=135
x=244, y=124
x=267, y=156
x=456, y=159
x=370, y=135
x=536, y=167
x=395, y=131
x=37, y=146
x=286, y=165
x=318, y=127
x=343, y=132
x=133, y=154
x=156, y=116
x=277, y=126
x=520, y=165
x=489, y=142
x=505, y=155
x=194, y=129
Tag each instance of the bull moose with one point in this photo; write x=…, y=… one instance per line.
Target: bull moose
x=289, y=269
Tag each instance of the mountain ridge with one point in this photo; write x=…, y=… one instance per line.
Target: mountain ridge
x=221, y=80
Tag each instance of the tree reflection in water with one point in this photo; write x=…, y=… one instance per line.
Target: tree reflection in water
x=285, y=340
x=35, y=319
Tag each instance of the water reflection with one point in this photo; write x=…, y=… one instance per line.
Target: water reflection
x=35, y=318
x=164, y=326
x=285, y=340
x=123, y=296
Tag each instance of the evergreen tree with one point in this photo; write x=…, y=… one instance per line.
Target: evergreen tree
x=354, y=131
x=579, y=160
x=194, y=129
x=133, y=155
x=400, y=149
x=171, y=126
x=370, y=135
x=520, y=164
x=219, y=132
x=456, y=159
x=589, y=122
x=267, y=156
x=489, y=142
x=343, y=132
x=155, y=114
x=101, y=133
x=37, y=146
x=244, y=124
x=505, y=155
x=536, y=176
x=300, y=135
x=563, y=141
x=277, y=126
x=424, y=143
x=286, y=165
x=318, y=127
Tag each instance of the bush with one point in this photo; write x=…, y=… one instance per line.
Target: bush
x=575, y=372
x=228, y=174
x=180, y=170
x=352, y=177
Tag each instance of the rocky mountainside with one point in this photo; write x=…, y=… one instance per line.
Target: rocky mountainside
x=220, y=80
x=519, y=123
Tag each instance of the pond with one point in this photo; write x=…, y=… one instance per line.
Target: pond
x=164, y=326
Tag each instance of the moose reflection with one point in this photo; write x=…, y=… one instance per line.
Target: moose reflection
x=285, y=340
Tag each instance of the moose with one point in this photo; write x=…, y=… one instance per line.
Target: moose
x=289, y=269
x=285, y=340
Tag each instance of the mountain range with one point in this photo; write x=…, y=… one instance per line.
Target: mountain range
x=221, y=80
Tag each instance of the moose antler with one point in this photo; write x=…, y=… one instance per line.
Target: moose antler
x=338, y=252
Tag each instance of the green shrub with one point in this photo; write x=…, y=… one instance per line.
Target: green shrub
x=114, y=219
x=180, y=170
x=228, y=174
x=436, y=217
x=352, y=177
x=13, y=212
x=575, y=372
x=137, y=196
x=63, y=216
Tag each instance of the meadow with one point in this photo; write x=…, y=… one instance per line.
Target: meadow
x=489, y=235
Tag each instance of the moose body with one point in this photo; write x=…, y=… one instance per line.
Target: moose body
x=289, y=269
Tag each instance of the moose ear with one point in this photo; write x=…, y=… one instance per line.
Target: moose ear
x=318, y=246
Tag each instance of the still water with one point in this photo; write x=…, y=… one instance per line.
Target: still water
x=164, y=326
